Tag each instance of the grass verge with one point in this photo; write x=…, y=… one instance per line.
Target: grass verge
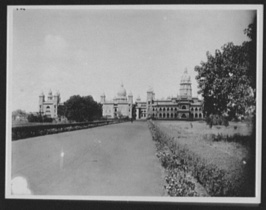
x=186, y=171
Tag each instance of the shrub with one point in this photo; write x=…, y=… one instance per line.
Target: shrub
x=216, y=120
x=179, y=161
x=177, y=183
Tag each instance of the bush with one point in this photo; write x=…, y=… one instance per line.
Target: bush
x=177, y=183
x=179, y=161
x=237, y=138
x=216, y=120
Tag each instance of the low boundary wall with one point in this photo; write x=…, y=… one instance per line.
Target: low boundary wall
x=27, y=131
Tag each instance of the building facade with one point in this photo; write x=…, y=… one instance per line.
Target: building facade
x=183, y=106
x=120, y=106
x=49, y=107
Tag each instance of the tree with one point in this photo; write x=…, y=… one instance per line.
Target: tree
x=37, y=117
x=61, y=110
x=81, y=109
x=227, y=81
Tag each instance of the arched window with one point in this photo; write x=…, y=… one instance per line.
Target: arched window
x=183, y=116
x=184, y=107
x=196, y=109
x=192, y=109
x=167, y=115
x=160, y=109
x=175, y=115
x=200, y=116
x=163, y=115
x=196, y=115
x=199, y=109
x=160, y=115
x=172, y=115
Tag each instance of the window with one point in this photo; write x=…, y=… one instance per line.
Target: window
x=200, y=115
x=184, y=107
x=196, y=109
x=196, y=115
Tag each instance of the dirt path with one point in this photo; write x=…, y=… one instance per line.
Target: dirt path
x=116, y=160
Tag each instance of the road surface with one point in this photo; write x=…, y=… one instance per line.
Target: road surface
x=113, y=160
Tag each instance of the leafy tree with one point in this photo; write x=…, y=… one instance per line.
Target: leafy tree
x=61, y=110
x=227, y=81
x=81, y=109
x=39, y=118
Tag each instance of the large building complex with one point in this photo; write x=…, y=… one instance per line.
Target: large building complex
x=49, y=107
x=183, y=106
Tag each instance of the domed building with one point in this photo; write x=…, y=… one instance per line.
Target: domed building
x=120, y=106
x=183, y=106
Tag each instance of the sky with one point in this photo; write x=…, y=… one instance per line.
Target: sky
x=92, y=51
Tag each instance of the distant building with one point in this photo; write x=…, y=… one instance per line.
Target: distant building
x=183, y=106
x=49, y=107
x=120, y=106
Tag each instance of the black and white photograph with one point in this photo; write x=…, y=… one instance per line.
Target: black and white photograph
x=156, y=103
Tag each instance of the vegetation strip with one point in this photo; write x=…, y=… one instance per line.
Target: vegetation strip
x=181, y=164
x=21, y=132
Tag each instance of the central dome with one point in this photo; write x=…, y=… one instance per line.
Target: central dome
x=122, y=91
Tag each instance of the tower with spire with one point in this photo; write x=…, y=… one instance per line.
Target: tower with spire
x=181, y=106
x=185, y=86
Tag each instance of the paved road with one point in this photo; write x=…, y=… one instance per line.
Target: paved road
x=113, y=160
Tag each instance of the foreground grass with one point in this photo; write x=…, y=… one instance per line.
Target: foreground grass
x=222, y=168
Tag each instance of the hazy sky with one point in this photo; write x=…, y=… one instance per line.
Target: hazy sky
x=88, y=52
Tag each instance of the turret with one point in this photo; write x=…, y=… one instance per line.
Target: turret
x=103, y=98
x=150, y=94
x=56, y=98
x=50, y=95
x=185, y=86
